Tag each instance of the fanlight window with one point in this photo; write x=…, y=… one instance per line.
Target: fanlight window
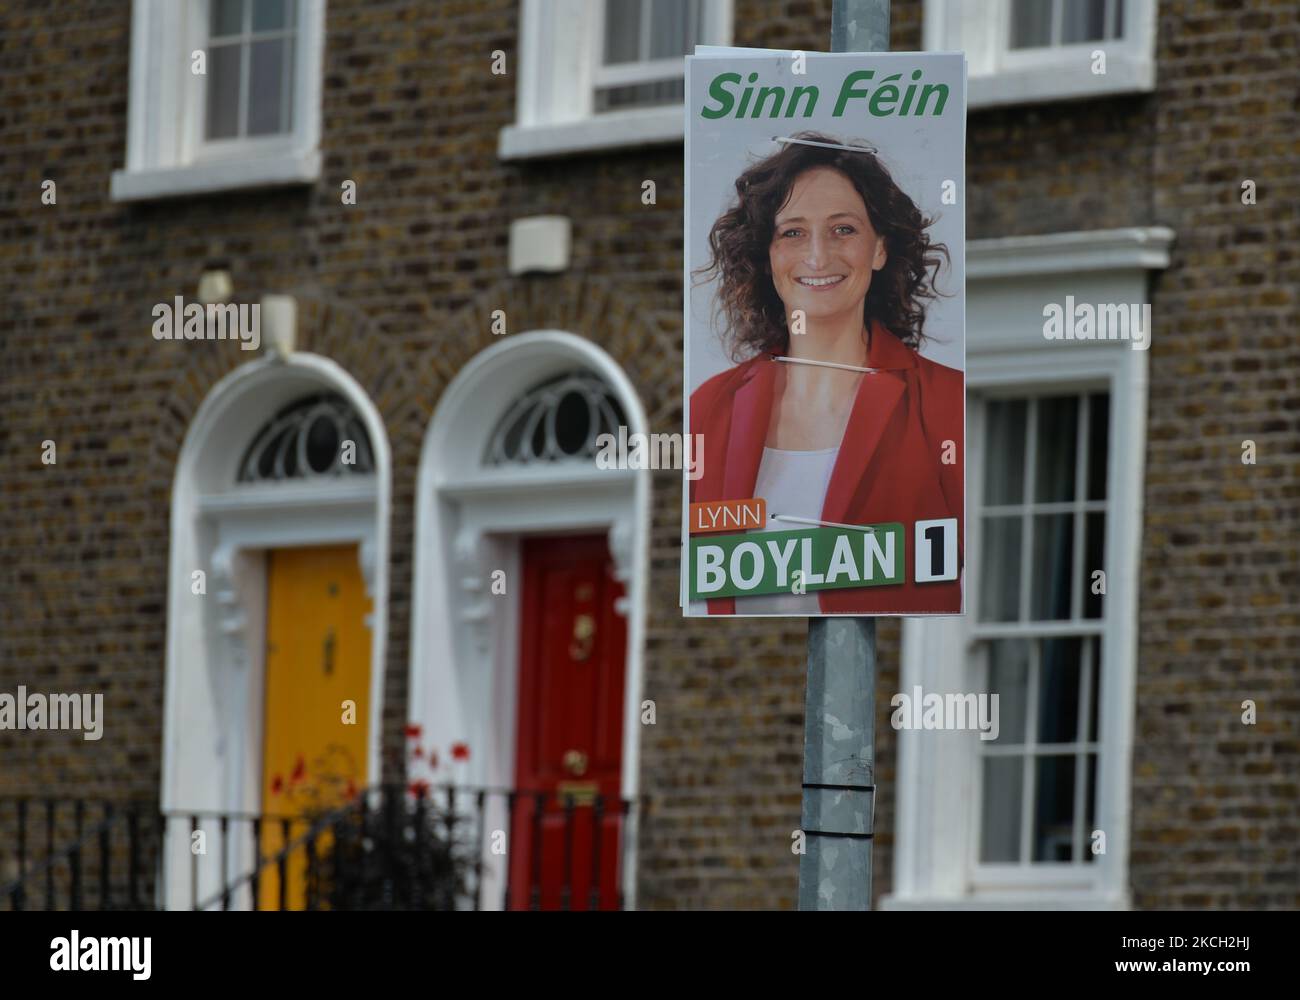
x=317, y=437
x=557, y=420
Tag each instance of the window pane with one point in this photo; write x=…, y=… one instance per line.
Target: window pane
x=1098, y=442
x=622, y=31
x=226, y=17
x=1053, y=808
x=291, y=460
x=514, y=436
x=1058, y=437
x=1031, y=23
x=1094, y=539
x=1095, y=655
x=223, y=92
x=1051, y=572
x=1083, y=21
x=641, y=95
x=1003, y=795
x=322, y=444
x=672, y=24
x=267, y=105
x=266, y=457
x=538, y=443
x=1009, y=680
x=1000, y=569
x=573, y=424
x=270, y=15
x=1090, y=808
x=1004, y=459
x=1058, y=691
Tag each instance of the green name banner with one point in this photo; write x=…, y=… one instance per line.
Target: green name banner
x=802, y=561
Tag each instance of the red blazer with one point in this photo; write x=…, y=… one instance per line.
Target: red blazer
x=889, y=467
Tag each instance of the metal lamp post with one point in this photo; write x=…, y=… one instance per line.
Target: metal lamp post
x=839, y=765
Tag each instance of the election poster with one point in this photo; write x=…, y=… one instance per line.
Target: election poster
x=824, y=355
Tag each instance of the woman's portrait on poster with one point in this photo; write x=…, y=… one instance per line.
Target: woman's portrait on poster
x=823, y=269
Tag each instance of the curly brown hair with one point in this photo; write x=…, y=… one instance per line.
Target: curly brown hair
x=739, y=243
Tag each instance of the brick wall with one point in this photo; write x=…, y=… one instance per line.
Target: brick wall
x=1216, y=806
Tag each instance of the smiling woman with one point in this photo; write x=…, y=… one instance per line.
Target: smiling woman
x=824, y=264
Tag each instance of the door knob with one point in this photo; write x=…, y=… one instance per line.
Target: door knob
x=584, y=637
x=328, y=663
x=575, y=762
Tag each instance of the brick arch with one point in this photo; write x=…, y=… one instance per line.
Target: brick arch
x=326, y=326
x=636, y=327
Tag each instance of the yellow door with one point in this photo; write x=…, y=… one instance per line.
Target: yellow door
x=317, y=661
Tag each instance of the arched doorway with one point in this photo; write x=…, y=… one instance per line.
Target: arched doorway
x=277, y=600
x=531, y=560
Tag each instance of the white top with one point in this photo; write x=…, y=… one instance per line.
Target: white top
x=793, y=483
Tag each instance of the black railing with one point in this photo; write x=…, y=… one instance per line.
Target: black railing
x=440, y=848
x=77, y=854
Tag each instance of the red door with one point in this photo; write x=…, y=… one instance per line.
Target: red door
x=570, y=727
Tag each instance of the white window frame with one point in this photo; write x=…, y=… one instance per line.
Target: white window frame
x=998, y=74
x=559, y=70
x=166, y=155
x=936, y=830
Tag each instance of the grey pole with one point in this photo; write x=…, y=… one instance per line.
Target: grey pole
x=839, y=735
x=860, y=26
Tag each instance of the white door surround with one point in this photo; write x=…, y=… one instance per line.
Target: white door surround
x=470, y=517
x=212, y=727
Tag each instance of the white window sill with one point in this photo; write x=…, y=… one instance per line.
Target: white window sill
x=217, y=175
x=1055, y=81
x=1017, y=901
x=613, y=130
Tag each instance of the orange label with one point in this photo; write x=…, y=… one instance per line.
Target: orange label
x=727, y=515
